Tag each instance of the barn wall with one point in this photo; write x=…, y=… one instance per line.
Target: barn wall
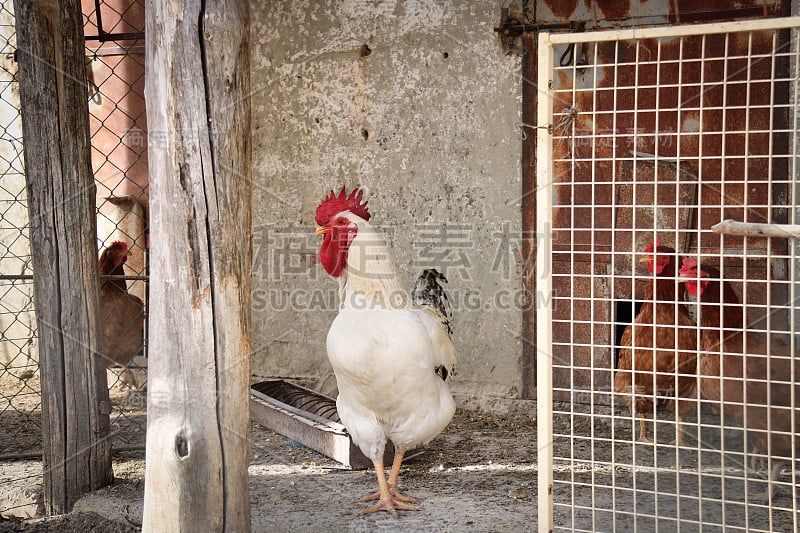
x=415, y=101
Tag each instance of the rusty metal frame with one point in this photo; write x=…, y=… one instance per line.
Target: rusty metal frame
x=104, y=36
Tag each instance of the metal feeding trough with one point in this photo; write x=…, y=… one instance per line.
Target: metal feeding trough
x=308, y=417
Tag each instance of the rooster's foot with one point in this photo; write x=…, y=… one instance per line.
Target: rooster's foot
x=389, y=498
x=390, y=505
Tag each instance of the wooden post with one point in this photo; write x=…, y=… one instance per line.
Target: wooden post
x=61, y=197
x=530, y=94
x=198, y=414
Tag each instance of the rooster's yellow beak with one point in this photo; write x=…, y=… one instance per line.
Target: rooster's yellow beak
x=645, y=259
x=321, y=230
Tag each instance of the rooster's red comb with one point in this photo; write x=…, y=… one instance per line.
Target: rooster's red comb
x=119, y=244
x=333, y=204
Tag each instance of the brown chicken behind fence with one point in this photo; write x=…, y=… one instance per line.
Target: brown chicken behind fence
x=122, y=313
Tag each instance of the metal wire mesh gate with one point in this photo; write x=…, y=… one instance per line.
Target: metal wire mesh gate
x=20, y=403
x=115, y=70
x=648, y=139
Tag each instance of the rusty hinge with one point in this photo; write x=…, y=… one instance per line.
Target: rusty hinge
x=513, y=24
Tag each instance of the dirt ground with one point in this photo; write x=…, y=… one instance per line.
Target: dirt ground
x=479, y=475
x=604, y=481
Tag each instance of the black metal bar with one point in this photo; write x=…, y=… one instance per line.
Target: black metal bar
x=98, y=18
x=515, y=28
x=104, y=37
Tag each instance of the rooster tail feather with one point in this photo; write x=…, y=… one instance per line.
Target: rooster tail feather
x=429, y=293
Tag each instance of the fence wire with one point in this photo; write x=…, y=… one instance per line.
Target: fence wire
x=115, y=75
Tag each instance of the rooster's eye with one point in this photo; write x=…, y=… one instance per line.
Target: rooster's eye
x=341, y=221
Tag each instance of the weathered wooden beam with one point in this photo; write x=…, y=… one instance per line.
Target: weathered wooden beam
x=198, y=415
x=61, y=197
x=530, y=95
x=755, y=229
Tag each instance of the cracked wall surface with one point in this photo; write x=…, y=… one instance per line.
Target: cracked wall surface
x=415, y=101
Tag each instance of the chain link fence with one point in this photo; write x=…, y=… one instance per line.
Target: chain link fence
x=115, y=74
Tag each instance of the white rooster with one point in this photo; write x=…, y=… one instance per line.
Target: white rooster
x=390, y=356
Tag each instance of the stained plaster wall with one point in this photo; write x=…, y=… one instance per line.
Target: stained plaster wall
x=415, y=101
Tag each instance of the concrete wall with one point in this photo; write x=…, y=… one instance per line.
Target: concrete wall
x=415, y=101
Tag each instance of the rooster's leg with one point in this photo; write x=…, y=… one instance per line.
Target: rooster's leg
x=386, y=502
x=394, y=475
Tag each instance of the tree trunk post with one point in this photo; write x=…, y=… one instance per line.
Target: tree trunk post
x=198, y=415
x=61, y=203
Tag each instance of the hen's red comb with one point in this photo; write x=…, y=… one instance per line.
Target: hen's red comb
x=333, y=204
x=655, y=243
x=687, y=265
x=119, y=244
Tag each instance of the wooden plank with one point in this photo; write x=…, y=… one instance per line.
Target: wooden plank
x=61, y=196
x=530, y=95
x=198, y=112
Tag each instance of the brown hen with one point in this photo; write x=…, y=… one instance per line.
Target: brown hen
x=658, y=354
x=122, y=313
x=760, y=400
